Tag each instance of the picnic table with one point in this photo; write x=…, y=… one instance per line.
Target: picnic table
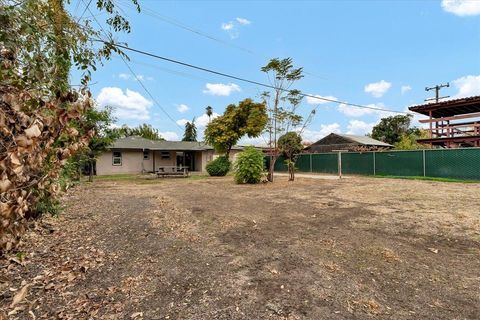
x=172, y=171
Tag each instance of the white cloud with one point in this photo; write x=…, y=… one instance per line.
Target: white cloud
x=261, y=141
x=378, y=89
x=200, y=122
x=220, y=89
x=359, y=127
x=243, y=21
x=462, y=7
x=182, y=122
x=124, y=76
x=315, y=135
x=312, y=100
x=416, y=119
x=169, y=135
x=467, y=86
x=352, y=111
x=127, y=105
x=228, y=26
x=182, y=108
x=405, y=89
x=232, y=27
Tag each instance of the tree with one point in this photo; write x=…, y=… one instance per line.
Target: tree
x=282, y=102
x=248, y=118
x=249, y=166
x=209, y=113
x=290, y=145
x=144, y=130
x=408, y=141
x=43, y=120
x=391, y=129
x=190, y=131
x=100, y=120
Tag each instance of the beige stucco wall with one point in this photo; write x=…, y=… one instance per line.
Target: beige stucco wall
x=132, y=162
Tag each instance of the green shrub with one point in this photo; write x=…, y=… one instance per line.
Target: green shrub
x=249, y=166
x=218, y=167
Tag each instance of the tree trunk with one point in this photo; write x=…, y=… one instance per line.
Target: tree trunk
x=271, y=168
x=291, y=171
x=90, y=176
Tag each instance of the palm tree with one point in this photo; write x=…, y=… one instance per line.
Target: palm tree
x=209, y=112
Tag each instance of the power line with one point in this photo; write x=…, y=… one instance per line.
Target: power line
x=85, y=10
x=135, y=75
x=179, y=24
x=240, y=78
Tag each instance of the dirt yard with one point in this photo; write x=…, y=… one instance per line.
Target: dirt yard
x=358, y=248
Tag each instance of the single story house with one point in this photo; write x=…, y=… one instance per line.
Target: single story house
x=337, y=141
x=135, y=155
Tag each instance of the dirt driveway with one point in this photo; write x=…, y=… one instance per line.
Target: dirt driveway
x=359, y=248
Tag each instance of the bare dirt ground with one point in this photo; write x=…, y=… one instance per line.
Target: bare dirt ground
x=358, y=248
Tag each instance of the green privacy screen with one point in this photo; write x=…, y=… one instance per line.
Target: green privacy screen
x=357, y=163
x=324, y=162
x=444, y=163
x=453, y=163
x=399, y=163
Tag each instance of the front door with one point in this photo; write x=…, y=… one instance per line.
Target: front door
x=186, y=159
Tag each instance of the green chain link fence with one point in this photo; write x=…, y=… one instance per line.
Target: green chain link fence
x=440, y=163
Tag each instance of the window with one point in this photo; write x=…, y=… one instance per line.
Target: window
x=165, y=155
x=146, y=154
x=117, y=158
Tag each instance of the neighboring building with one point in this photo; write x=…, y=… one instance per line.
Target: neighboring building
x=452, y=123
x=337, y=141
x=135, y=155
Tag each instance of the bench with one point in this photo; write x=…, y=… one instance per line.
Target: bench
x=172, y=171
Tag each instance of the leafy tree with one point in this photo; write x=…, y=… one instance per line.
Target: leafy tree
x=290, y=145
x=282, y=102
x=408, y=141
x=391, y=129
x=218, y=167
x=248, y=118
x=43, y=120
x=190, y=131
x=144, y=130
x=249, y=166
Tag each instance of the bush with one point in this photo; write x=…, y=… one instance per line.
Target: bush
x=249, y=166
x=218, y=167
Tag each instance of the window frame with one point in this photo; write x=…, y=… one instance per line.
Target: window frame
x=119, y=157
x=163, y=155
x=147, y=154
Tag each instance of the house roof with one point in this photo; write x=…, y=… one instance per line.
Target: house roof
x=363, y=140
x=136, y=142
x=449, y=108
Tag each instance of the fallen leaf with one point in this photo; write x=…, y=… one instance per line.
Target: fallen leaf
x=433, y=250
x=136, y=314
x=21, y=294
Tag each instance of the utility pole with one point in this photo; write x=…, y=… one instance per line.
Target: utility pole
x=437, y=91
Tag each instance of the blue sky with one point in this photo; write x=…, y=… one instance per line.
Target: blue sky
x=366, y=52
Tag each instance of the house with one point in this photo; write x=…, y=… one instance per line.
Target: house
x=337, y=141
x=135, y=155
